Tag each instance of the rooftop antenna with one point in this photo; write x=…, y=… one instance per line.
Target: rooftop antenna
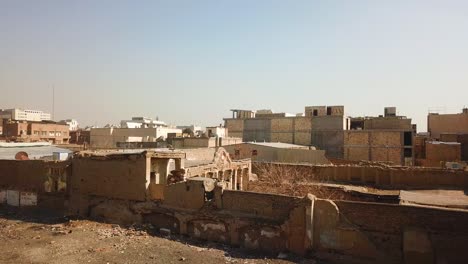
x=53, y=102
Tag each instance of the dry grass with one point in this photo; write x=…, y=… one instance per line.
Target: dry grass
x=291, y=180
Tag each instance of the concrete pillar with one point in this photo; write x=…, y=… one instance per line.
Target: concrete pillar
x=231, y=180
x=161, y=177
x=221, y=175
x=241, y=180
x=234, y=187
x=179, y=164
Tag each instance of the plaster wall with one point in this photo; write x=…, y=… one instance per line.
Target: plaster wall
x=447, y=123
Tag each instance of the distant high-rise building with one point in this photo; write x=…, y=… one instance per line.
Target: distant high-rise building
x=24, y=115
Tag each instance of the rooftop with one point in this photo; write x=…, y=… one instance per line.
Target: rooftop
x=443, y=143
x=156, y=153
x=278, y=145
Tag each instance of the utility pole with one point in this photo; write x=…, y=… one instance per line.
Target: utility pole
x=53, y=102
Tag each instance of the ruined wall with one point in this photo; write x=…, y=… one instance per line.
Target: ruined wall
x=33, y=175
x=390, y=233
x=120, y=177
x=23, y=175
x=186, y=195
x=34, y=183
x=259, y=204
x=387, y=177
x=253, y=221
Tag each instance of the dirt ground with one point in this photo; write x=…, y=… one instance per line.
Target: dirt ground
x=41, y=237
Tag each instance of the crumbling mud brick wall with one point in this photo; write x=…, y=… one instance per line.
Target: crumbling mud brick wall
x=41, y=183
x=381, y=233
x=382, y=176
x=112, y=176
x=270, y=223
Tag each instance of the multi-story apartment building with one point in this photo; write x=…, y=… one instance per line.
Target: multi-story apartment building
x=320, y=126
x=387, y=138
x=24, y=115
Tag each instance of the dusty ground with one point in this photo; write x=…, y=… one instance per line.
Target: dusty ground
x=39, y=237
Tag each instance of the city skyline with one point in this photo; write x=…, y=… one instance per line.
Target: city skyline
x=190, y=63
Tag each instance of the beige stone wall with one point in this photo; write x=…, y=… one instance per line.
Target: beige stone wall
x=124, y=178
x=443, y=152
x=388, y=123
x=386, y=138
x=302, y=124
x=186, y=195
x=282, y=137
x=356, y=153
x=374, y=145
x=234, y=125
x=303, y=138
x=356, y=137
x=450, y=123
x=282, y=124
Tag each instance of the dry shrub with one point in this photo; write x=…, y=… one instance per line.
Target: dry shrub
x=279, y=174
x=291, y=180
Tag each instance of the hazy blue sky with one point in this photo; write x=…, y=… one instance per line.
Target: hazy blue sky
x=191, y=61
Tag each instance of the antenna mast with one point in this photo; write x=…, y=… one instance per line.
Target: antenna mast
x=53, y=102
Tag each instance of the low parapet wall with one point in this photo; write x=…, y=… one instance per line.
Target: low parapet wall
x=386, y=177
x=382, y=233
x=269, y=223
x=340, y=231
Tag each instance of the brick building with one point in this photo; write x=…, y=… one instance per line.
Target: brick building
x=443, y=151
x=438, y=124
x=36, y=131
x=80, y=137
x=319, y=126
x=387, y=138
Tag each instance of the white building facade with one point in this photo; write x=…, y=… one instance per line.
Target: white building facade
x=72, y=124
x=24, y=115
x=142, y=122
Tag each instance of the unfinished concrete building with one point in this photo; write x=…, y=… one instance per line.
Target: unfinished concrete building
x=438, y=124
x=320, y=126
x=458, y=138
x=383, y=139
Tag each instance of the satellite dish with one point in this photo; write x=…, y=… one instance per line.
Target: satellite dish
x=21, y=156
